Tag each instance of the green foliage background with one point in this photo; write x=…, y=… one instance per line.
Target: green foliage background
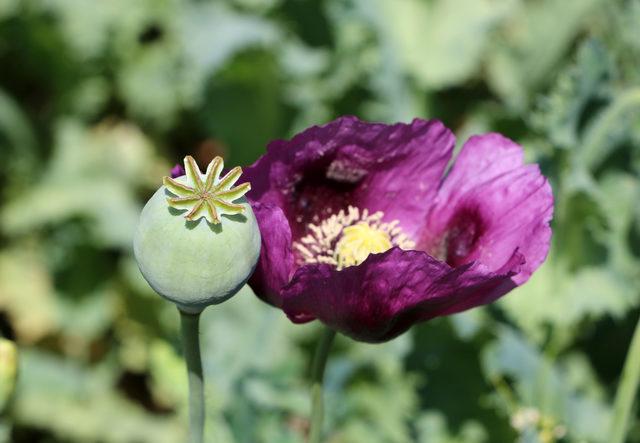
x=98, y=99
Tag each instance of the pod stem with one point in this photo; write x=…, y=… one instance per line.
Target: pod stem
x=317, y=380
x=189, y=325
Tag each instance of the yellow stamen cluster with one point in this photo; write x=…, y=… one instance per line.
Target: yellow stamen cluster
x=347, y=238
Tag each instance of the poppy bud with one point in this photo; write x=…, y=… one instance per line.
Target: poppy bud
x=198, y=241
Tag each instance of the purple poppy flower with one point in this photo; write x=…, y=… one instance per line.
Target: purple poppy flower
x=362, y=230
x=177, y=171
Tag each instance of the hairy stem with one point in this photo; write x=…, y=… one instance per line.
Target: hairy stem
x=627, y=389
x=189, y=324
x=317, y=379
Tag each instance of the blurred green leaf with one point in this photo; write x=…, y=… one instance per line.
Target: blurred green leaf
x=564, y=300
x=81, y=404
x=91, y=175
x=610, y=127
x=432, y=428
x=17, y=145
x=442, y=42
x=27, y=292
x=588, y=80
x=540, y=383
x=530, y=45
x=8, y=8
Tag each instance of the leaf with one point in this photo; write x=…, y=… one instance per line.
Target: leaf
x=148, y=84
x=541, y=384
x=432, y=428
x=15, y=126
x=367, y=403
x=168, y=375
x=237, y=92
x=617, y=195
x=588, y=80
x=84, y=320
x=468, y=324
x=92, y=175
x=610, y=127
x=442, y=42
x=563, y=300
x=531, y=44
x=77, y=403
x=27, y=293
x=232, y=32
x=368, y=57
x=7, y=9
x=240, y=384
x=18, y=146
x=86, y=31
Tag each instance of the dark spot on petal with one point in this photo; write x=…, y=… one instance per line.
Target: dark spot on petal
x=318, y=194
x=461, y=236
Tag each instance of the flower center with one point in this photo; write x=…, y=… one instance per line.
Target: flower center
x=347, y=238
x=358, y=241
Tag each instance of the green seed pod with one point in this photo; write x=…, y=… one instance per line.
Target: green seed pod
x=194, y=245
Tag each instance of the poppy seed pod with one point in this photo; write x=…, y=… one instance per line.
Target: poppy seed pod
x=197, y=240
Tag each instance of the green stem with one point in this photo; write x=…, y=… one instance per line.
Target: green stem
x=626, y=390
x=189, y=324
x=317, y=379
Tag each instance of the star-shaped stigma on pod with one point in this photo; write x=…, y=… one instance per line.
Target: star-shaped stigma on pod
x=209, y=196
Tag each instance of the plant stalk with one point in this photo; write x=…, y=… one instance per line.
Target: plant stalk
x=627, y=388
x=189, y=325
x=317, y=380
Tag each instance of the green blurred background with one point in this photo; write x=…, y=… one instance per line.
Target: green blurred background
x=98, y=99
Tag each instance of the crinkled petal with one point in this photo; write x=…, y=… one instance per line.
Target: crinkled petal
x=381, y=298
x=275, y=265
x=374, y=166
x=490, y=205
